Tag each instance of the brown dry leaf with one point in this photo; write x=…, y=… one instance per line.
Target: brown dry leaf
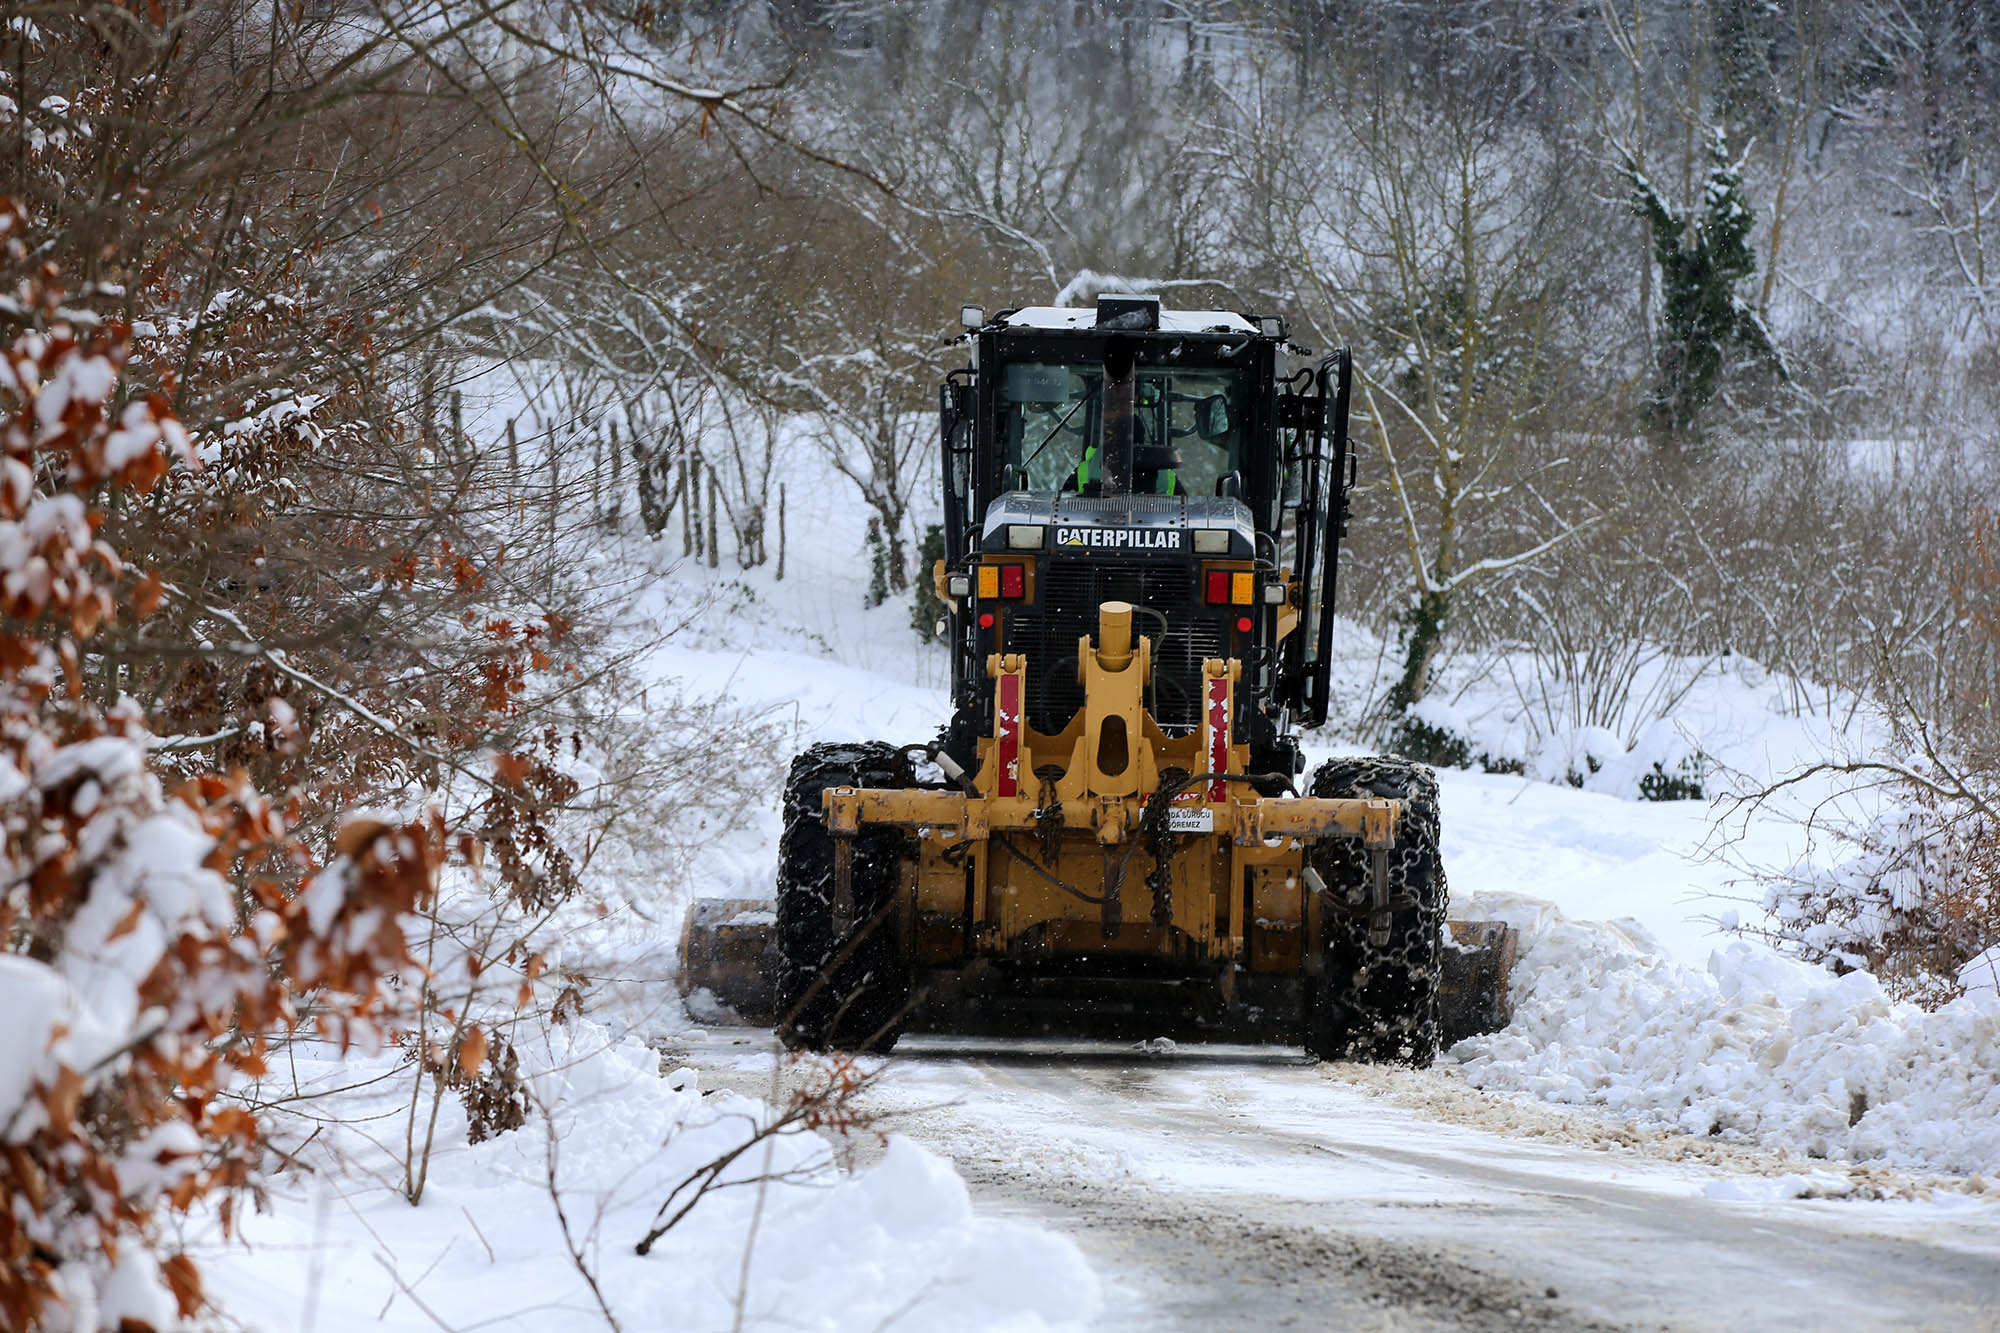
x=146, y=597
x=84, y=616
x=357, y=836
x=127, y=922
x=472, y=1051
x=233, y=1122
x=61, y=1100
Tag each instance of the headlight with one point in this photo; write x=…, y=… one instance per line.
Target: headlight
x=1025, y=536
x=1211, y=541
x=958, y=585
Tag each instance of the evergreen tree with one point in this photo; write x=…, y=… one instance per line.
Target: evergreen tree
x=928, y=607
x=878, y=565
x=1703, y=261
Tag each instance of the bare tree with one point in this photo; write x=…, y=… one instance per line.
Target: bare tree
x=1445, y=243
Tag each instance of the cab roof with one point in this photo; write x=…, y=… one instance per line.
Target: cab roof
x=1085, y=318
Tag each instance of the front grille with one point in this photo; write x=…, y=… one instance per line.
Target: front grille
x=1066, y=601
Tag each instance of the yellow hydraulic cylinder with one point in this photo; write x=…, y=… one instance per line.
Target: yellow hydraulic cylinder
x=1114, y=635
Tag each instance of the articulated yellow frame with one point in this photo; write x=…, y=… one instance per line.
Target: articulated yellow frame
x=1236, y=883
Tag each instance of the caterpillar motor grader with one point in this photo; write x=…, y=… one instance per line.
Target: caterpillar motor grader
x=1142, y=518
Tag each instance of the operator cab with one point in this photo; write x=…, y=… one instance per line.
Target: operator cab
x=1155, y=457
x=1187, y=428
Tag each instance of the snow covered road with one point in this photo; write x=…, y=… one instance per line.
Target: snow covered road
x=1247, y=1186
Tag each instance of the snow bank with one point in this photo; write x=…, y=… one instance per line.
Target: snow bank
x=797, y=1240
x=1753, y=1047
x=1982, y=974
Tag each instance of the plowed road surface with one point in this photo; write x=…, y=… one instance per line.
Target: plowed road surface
x=1244, y=1187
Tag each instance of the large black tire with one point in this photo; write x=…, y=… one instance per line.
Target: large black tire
x=860, y=1004
x=1372, y=1003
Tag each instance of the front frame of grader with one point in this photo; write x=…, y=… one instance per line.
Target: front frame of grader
x=1112, y=848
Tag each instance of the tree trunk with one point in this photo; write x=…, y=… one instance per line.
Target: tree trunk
x=617, y=477
x=899, y=555
x=1426, y=621
x=714, y=503
x=691, y=518
x=781, y=532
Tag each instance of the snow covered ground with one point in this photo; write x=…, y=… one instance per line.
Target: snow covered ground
x=788, y=1240
x=1248, y=1187
x=1657, y=1036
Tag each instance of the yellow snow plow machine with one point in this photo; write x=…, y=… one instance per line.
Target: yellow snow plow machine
x=1143, y=512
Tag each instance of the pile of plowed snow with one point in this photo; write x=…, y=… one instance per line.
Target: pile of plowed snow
x=1753, y=1047
x=786, y=1238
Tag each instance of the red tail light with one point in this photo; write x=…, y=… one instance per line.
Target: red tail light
x=1218, y=587
x=1013, y=584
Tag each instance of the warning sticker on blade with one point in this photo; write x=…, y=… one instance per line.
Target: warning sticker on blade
x=1191, y=821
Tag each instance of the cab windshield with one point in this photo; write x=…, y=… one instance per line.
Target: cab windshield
x=1052, y=428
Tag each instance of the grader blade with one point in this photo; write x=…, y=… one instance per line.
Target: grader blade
x=1475, y=994
x=729, y=946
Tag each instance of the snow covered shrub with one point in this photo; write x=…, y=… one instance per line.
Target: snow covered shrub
x=154, y=939
x=1432, y=732
x=1437, y=733
x=1914, y=894
x=1573, y=756
x=1915, y=900
x=1667, y=765
x=1661, y=765
x=1682, y=783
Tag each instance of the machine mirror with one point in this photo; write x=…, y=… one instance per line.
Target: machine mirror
x=1213, y=417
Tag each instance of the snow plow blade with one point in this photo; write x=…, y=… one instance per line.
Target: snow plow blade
x=1475, y=986
x=729, y=947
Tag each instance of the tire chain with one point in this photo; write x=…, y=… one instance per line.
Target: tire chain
x=1380, y=1003
x=869, y=992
